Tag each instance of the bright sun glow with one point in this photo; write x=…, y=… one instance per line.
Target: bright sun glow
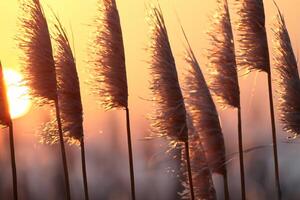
x=18, y=100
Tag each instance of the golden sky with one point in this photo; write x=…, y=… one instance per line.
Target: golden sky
x=194, y=15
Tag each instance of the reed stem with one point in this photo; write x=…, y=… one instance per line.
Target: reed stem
x=13, y=160
x=277, y=180
x=63, y=151
x=240, y=136
x=84, y=173
x=189, y=169
x=130, y=154
x=226, y=186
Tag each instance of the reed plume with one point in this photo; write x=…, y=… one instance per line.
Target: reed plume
x=202, y=179
x=205, y=118
x=39, y=66
x=253, y=52
x=109, y=78
x=285, y=64
x=223, y=71
x=169, y=119
x=5, y=121
x=254, y=55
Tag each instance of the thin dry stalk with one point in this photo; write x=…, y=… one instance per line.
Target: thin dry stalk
x=223, y=70
x=109, y=80
x=39, y=68
x=169, y=120
x=5, y=120
x=254, y=55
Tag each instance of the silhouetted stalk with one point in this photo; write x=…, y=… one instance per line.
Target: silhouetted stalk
x=63, y=151
x=130, y=154
x=277, y=180
x=242, y=169
x=13, y=160
x=189, y=169
x=226, y=186
x=84, y=174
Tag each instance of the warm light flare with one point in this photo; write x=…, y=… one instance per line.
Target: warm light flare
x=18, y=99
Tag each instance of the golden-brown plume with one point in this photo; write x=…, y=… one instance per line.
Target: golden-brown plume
x=34, y=40
x=4, y=114
x=109, y=79
x=221, y=55
x=253, y=52
x=170, y=117
x=69, y=96
x=285, y=64
x=204, y=115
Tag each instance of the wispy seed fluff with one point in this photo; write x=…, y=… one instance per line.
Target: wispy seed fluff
x=4, y=114
x=289, y=84
x=170, y=116
x=253, y=52
x=68, y=93
x=221, y=57
x=202, y=179
x=34, y=40
x=204, y=115
x=109, y=79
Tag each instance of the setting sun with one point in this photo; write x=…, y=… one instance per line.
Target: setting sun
x=19, y=102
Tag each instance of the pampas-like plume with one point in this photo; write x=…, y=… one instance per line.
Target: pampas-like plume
x=34, y=40
x=254, y=55
x=39, y=68
x=253, y=52
x=223, y=70
x=222, y=63
x=169, y=119
x=109, y=72
x=4, y=114
x=109, y=80
x=205, y=118
x=289, y=82
x=5, y=120
x=202, y=179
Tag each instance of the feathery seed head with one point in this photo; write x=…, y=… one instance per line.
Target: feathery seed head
x=221, y=56
x=204, y=115
x=34, y=40
x=289, y=82
x=109, y=81
x=253, y=53
x=170, y=116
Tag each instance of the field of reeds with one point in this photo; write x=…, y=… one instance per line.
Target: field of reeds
x=149, y=100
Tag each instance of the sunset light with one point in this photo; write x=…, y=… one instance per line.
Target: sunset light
x=19, y=102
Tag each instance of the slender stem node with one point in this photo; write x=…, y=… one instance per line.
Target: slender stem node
x=13, y=161
x=129, y=142
x=84, y=173
x=63, y=151
x=277, y=180
x=241, y=155
x=189, y=169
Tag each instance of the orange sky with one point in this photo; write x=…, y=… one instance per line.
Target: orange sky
x=194, y=17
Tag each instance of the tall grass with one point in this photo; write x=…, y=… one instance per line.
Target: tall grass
x=109, y=79
x=254, y=55
x=39, y=66
x=6, y=121
x=169, y=119
x=205, y=117
x=223, y=70
x=286, y=66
